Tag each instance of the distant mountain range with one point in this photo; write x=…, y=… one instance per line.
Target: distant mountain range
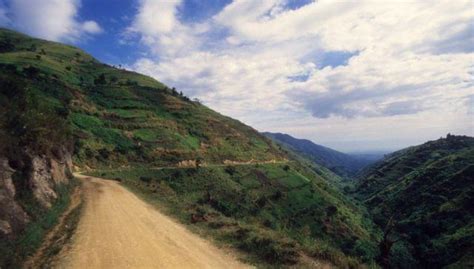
x=340, y=163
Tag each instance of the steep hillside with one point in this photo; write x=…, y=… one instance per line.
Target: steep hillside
x=338, y=162
x=424, y=196
x=58, y=104
x=119, y=116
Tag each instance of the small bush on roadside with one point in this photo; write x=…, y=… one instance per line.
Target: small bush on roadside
x=271, y=249
x=145, y=179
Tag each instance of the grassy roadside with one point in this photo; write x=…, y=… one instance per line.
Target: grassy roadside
x=58, y=237
x=16, y=254
x=257, y=209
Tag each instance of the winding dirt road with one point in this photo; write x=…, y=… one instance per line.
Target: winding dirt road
x=118, y=230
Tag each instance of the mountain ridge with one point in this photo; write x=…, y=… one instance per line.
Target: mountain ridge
x=342, y=164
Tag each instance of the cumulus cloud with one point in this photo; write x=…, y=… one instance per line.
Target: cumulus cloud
x=371, y=80
x=159, y=29
x=331, y=60
x=91, y=27
x=51, y=19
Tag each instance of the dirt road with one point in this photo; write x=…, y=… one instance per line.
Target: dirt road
x=118, y=230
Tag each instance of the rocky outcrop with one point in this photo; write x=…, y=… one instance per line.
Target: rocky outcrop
x=187, y=163
x=38, y=175
x=12, y=217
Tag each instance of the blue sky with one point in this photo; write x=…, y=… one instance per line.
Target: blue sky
x=352, y=75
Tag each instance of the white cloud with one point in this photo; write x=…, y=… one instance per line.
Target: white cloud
x=156, y=17
x=160, y=30
x=91, y=27
x=414, y=61
x=50, y=19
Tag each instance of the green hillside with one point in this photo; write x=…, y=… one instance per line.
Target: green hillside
x=427, y=192
x=121, y=117
x=53, y=95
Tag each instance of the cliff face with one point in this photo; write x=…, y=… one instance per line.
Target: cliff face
x=33, y=174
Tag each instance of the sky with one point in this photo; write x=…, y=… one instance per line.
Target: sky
x=352, y=75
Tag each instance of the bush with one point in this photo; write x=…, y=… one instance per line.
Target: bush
x=365, y=250
x=104, y=153
x=145, y=179
x=322, y=250
x=230, y=170
x=6, y=45
x=100, y=80
x=401, y=256
x=331, y=211
x=271, y=249
x=31, y=71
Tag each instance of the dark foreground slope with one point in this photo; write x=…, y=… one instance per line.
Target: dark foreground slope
x=428, y=193
x=58, y=104
x=338, y=162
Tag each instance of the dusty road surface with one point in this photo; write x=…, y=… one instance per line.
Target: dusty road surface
x=118, y=230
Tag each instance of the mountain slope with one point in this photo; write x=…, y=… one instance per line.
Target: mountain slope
x=428, y=193
x=338, y=162
x=56, y=100
x=119, y=116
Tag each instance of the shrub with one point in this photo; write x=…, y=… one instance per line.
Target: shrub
x=331, y=211
x=104, y=153
x=131, y=82
x=366, y=250
x=271, y=249
x=31, y=71
x=230, y=170
x=145, y=179
x=6, y=45
x=100, y=80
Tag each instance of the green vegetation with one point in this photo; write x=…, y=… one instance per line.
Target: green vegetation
x=60, y=238
x=13, y=252
x=423, y=198
x=117, y=117
x=274, y=212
